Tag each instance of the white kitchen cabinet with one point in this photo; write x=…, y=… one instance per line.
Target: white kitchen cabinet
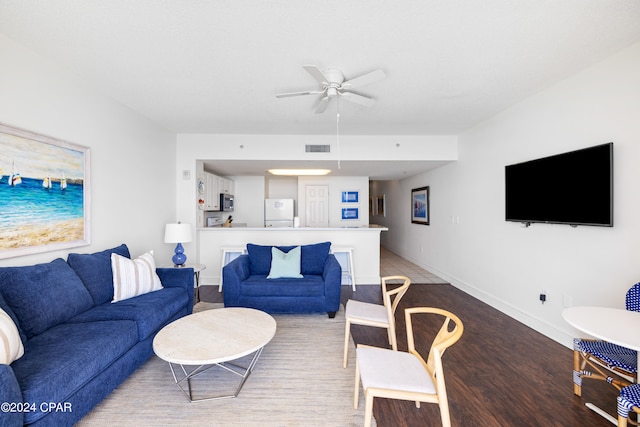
x=213, y=186
x=226, y=186
x=212, y=199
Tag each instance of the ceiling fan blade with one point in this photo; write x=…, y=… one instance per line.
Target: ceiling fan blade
x=364, y=79
x=322, y=105
x=287, y=95
x=315, y=73
x=358, y=99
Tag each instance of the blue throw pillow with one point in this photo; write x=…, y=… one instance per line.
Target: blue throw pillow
x=95, y=272
x=285, y=264
x=43, y=295
x=259, y=258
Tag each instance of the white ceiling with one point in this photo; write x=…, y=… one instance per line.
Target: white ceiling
x=203, y=66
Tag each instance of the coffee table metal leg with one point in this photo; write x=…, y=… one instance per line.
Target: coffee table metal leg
x=228, y=366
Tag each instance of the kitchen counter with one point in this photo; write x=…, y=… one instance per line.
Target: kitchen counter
x=244, y=227
x=365, y=242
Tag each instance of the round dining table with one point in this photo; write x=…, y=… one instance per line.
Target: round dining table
x=614, y=325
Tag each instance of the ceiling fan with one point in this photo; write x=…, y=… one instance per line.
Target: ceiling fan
x=333, y=84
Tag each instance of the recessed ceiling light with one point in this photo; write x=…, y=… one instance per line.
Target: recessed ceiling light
x=299, y=171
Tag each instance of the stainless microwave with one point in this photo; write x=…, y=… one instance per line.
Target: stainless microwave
x=226, y=202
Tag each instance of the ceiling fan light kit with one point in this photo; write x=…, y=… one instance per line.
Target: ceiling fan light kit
x=333, y=84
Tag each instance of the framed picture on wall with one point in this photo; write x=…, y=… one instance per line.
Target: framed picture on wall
x=420, y=205
x=380, y=205
x=44, y=193
x=350, y=197
x=349, y=213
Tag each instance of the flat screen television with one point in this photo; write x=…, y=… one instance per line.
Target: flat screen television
x=573, y=188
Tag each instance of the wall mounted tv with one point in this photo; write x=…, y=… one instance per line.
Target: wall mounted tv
x=574, y=188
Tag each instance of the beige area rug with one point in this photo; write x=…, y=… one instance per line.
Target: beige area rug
x=298, y=381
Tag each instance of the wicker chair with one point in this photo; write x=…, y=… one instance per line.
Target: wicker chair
x=628, y=401
x=597, y=359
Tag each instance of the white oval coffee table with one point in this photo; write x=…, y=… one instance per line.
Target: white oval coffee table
x=214, y=338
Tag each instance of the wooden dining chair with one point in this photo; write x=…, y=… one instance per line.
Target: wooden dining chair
x=598, y=359
x=405, y=375
x=377, y=315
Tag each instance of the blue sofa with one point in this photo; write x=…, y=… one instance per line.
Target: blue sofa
x=78, y=345
x=246, y=283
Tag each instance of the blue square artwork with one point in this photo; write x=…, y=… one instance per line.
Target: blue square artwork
x=349, y=197
x=349, y=213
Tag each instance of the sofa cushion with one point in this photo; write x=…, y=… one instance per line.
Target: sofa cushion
x=43, y=295
x=95, y=271
x=5, y=307
x=312, y=257
x=150, y=311
x=258, y=285
x=285, y=264
x=133, y=277
x=11, y=347
x=64, y=358
x=259, y=258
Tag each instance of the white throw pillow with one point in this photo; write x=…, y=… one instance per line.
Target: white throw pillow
x=285, y=264
x=11, y=347
x=133, y=277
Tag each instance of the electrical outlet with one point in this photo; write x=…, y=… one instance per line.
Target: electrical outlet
x=543, y=297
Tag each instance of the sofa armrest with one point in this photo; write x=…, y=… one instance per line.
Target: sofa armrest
x=232, y=275
x=10, y=393
x=172, y=277
x=332, y=276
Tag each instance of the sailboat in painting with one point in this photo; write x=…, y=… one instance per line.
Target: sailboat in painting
x=63, y=182
x=14, y=178
x=46, y=182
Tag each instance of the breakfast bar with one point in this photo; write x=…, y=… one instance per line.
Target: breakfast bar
x=363, y=242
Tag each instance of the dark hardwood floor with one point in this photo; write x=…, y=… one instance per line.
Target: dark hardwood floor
x=501, y=372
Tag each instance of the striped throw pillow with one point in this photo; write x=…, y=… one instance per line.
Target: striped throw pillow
x=11, y=347
x=133, y=277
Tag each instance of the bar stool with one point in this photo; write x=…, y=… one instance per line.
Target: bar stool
x=347, y=269
x=228, y=255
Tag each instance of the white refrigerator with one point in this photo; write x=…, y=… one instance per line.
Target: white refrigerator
x=278, y=213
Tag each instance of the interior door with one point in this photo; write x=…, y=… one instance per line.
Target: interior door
x=317, y=205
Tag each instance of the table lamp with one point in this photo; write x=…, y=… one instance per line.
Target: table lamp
x=178, y=233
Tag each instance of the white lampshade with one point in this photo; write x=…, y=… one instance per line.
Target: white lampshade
x=177, y=233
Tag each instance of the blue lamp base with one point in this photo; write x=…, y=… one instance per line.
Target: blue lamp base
x=179, y=258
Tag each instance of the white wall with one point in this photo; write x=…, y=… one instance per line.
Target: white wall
x=469, y=242
x=133, y=172
x=249, y=207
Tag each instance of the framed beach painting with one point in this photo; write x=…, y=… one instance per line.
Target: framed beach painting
x=420, y=205
x=44, y=193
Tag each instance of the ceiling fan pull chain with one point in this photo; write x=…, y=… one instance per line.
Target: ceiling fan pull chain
x=338, y=128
